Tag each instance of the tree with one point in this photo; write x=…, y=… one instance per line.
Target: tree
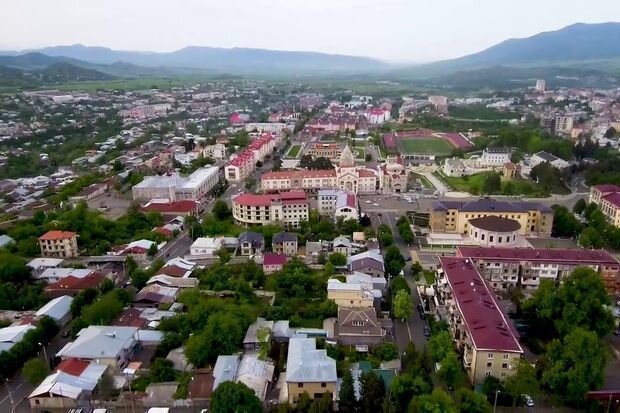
x=564, y=223
x=491, y=387
x=34, y=371
x=576, y=364
x=590, y=238
x=224, y=255
x=522, y=381
x=469, y=401
x=385, y=351
x=405, y=387
x=394, y=261
x=368, y=157
x=440, y=344
x=347, y=402
x=323, y=404
x=437, y=402
x=162, y=370
x=221, y=210
x=337, y=259
x=492, y=183
x=152, y=250
x=105, y=386
x=372, y=393
x=450, y=371
x=580, y=206
x=402, y=305
x=231, y=397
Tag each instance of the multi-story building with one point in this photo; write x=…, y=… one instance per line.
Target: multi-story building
x=329, y=150
x=309, y=370
x=607, y=197
x=564, y=124
x=337, y=203
x=175, y=187
x=540, y=85
x=495, y=156
x=346, y=176
x=60, y=244
x=506, y=268
x=244, y=164
x=287, y=208
x=440, y=103
x=377, y=116
x=453, y=216
x=481, y=331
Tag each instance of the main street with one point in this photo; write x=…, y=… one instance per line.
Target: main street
x=411, y=329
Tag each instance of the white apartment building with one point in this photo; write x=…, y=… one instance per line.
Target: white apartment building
x=495, y=156
x=175, y=187
x=287, y=208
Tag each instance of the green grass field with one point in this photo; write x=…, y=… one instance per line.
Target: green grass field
x=294, y=151
x=429, y=145
x=474, y=184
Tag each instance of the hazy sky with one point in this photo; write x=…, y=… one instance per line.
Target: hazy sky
x=396, y=30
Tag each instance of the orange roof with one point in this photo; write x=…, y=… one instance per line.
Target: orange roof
x=55, y=235
x=72, y=366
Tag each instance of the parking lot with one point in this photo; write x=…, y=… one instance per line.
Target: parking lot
x=115, y=206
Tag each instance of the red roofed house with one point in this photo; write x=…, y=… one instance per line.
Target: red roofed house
x=273, y=262
x=288, y=208
x=337, y=203
x=607, y=197
x=61, y=244
x=176, y=208
x=72, y=285
x=482, y=332
x=506, y=268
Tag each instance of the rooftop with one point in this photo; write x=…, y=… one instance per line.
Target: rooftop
x=100, y=342
x=306, y=364
x=575, y=256
x=490, y=205
x=494, y=223
x=486, y=324
x=57, y=235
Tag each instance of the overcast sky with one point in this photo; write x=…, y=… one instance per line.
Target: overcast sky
x=395, y=30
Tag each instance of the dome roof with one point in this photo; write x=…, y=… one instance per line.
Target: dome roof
x=494, y=223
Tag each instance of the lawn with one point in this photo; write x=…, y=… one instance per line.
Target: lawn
x=420, y=180
x=359, y=153
x=294, y=151
x=429, y=145
x=474, y=184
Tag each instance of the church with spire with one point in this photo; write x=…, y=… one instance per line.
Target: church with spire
x=346, y=176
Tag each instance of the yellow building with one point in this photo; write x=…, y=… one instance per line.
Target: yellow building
x=61, y=244
x=349, y=294
x=309, y=370
x=453, y=216
x=480, y=329
x=607, y=197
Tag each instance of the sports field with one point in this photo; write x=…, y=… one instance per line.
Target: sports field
x=427, y=145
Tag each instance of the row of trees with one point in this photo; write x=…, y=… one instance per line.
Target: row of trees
x=404, y=229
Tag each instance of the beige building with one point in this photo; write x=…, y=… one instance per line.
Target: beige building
x=329, y=150
x=287, y=208
x=61, y=244
x=175, y=187
x=349, y=294
x=453, y=216
x=309, y=370
x=482, y=333
x=607, y=197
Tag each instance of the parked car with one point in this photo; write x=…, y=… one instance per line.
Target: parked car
x=529, y=402
x=427, y=331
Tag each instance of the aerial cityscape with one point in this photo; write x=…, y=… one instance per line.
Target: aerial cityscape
x=265, y=222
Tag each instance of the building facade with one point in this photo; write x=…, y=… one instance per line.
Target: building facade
x=506, y=268
x=287, y=208
x=607, y=197
x=495, y=156
x=453, y=217
x=482, y=333
x=175, y=187
x=59, y=244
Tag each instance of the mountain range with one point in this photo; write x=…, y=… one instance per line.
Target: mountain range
x=593, y=48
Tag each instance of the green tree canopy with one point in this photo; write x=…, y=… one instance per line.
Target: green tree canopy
x=231, y=397
x=394, y=261
x=372, y=393
x=337, y=259
x=347, y=402
x=437, y=402
x=34, y=371
x=402, y=305
x=469, y=401
x=522, y=381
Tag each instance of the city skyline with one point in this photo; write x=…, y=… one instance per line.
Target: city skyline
x=394, y=30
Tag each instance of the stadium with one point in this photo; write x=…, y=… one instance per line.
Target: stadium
x=422, y=145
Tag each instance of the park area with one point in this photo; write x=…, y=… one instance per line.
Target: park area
x=294, y=151
x=475, y=185
x=425, y=145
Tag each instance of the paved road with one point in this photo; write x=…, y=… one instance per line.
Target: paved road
x=411, y=329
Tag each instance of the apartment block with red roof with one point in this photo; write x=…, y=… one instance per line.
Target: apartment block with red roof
x=505, y=268
x=244, y=164
x=60, y=244
x=287, y=208
x=607, y=197
x=483, y=334
x=311, y=181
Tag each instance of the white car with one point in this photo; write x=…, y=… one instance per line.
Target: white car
x=368, y=202
x=375, y=204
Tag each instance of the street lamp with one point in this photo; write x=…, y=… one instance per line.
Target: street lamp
x=495, y=403
x=44, y=353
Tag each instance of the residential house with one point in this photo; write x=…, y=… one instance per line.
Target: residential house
x=358, y=326
x=247, y=369
x=273, y=262
x=251, y=243
x=284, y=243
x=257, y=333
x=368, y=262
x=309, y=370
x=38, y=265
x=9, y=336
x=542, y=156
x=60, y=244
x=58, y=309
x=342, y=245
x=72, y=285
x=106, y=345
x=351, y=295
x=5, y=241
x=154, y=295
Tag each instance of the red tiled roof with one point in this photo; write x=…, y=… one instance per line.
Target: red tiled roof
x=366, y=173
x=613, y=198
x=173, y=271
x=74, y=283
x=320, y=173
x=248, y=199
x=293, y=195
x=274, y=259
x=177, y=206
x=163, y=231
x=487, y=325
x=607, y=188
x=56, y=235
x=72, y=366
x=130, y=317
x=564, y=256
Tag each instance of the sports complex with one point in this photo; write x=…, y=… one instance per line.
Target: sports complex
x=423, y=144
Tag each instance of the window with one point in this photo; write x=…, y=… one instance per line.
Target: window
x=323, y=385
x=300, y=385
x=506, y=356
x=489, y=355
x=490, y=364
x=490, y=238
x=504, y=365
x=357, y=323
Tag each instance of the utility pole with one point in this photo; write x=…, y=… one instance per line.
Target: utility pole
x=495, y=403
